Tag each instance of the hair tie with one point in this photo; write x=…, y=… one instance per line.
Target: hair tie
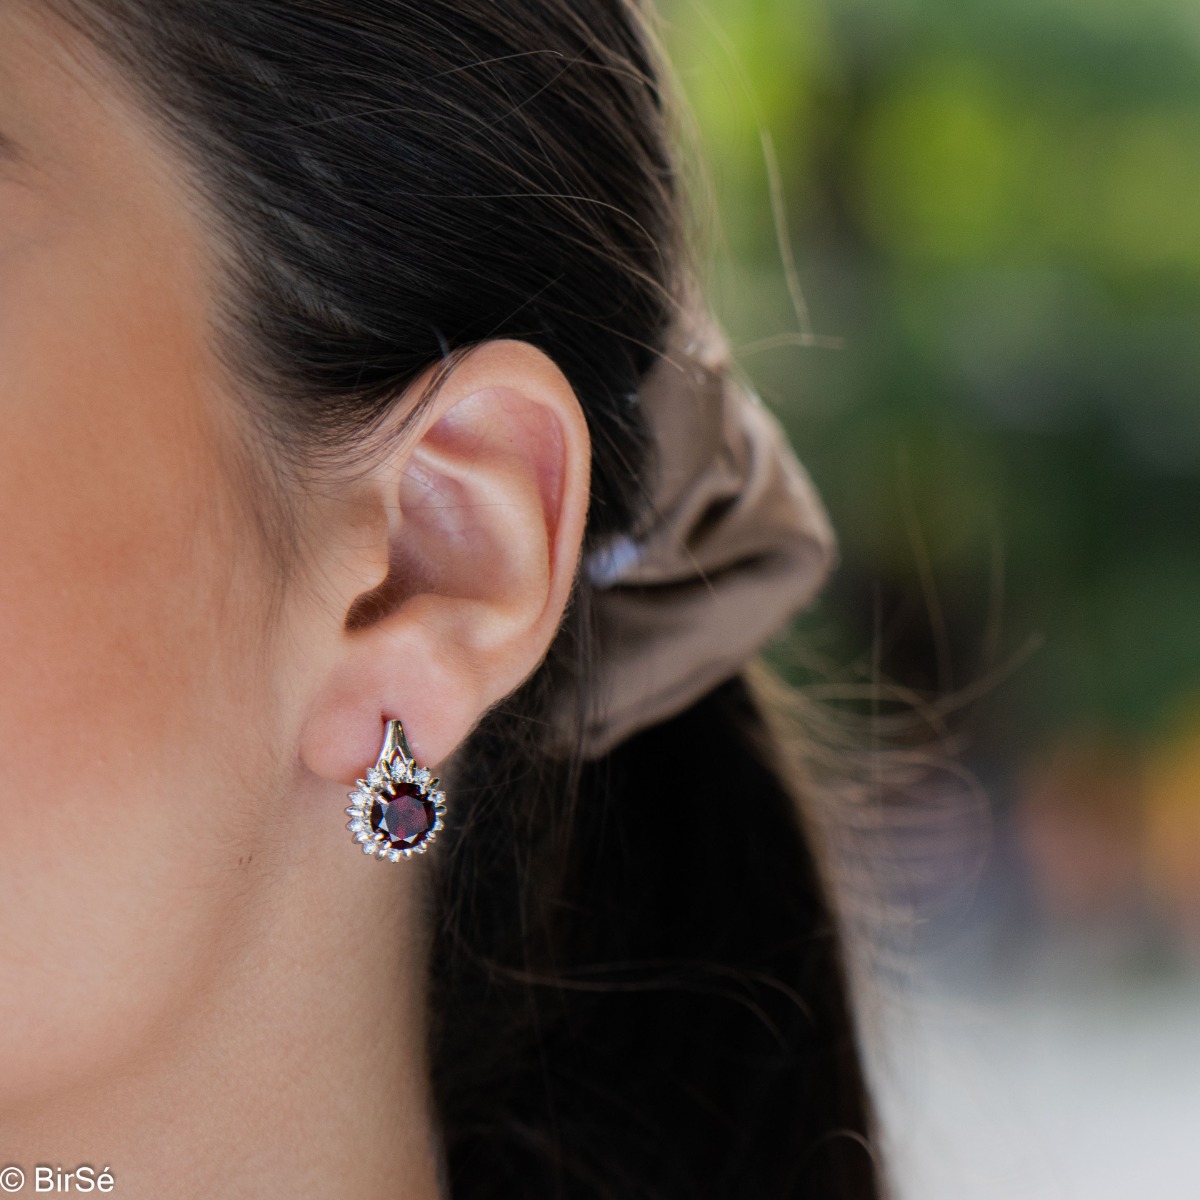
x=734, y=542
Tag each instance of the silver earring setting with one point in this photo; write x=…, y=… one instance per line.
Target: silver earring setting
x=397, y=810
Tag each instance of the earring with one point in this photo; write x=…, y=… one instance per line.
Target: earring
x=397, y=810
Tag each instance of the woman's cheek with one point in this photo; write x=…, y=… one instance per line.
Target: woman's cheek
x=129, y=595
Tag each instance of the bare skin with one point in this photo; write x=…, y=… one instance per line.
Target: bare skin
x=203, y=985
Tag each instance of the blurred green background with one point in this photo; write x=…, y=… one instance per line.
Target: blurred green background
x=994, y=215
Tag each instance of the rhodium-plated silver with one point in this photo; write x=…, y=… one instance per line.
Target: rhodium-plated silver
x=395, y=765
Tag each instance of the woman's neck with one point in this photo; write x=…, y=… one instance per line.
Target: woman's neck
x=299, y=1071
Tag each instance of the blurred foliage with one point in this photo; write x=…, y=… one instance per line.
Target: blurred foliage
x=995, y=208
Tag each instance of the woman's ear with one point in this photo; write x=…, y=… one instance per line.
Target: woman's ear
x=444, y=573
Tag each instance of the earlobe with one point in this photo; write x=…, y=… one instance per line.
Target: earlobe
x=485, y=505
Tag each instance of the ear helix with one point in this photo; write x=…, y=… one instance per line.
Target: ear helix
x=397, y=810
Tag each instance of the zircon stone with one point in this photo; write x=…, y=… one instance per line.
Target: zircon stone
x=403, y=814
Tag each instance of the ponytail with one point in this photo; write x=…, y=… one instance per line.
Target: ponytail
x=663, y=1011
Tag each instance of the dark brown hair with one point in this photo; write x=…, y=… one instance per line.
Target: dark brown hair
x=637, y=979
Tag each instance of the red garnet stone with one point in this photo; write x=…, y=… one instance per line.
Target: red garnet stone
x=403, y=814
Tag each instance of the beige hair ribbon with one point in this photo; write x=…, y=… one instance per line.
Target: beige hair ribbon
x=735, y=542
